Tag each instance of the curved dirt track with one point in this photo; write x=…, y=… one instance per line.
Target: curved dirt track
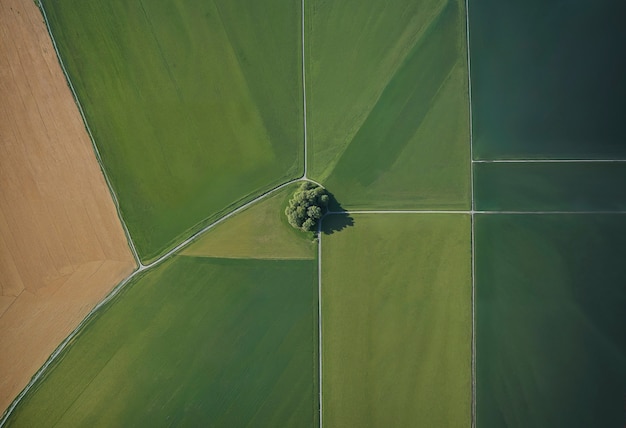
x=62, y=246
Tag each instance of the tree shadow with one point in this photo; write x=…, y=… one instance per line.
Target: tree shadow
x=336, y=219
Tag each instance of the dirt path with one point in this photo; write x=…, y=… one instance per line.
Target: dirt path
x=62, y=247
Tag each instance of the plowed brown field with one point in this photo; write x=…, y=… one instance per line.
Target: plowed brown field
x=62, y=247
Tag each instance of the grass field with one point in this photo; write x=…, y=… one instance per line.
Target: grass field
x=197, y=341
x=396, y=322
x=548, y=79
x=261, y=231
x=580, y=186
x=194, y=106
x=550, y=319
x=388, y=103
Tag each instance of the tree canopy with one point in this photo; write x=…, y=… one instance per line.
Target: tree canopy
x=307, y=205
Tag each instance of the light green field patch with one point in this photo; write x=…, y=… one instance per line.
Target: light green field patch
x=396, y=321
x=431, y=171
x=411, y=149
x=353, y=50
x=260, y=231
x=194, y=108
x=193, y=342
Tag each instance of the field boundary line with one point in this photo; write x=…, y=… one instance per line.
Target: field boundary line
x=472, y=212
x=129, y=239
x=319, y=311
x=549, y=161
x=306, y=148
x=548, y=212
x=398, y=212
x=225, y=217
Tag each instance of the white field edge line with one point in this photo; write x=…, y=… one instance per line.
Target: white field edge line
x=131, y=244
x=319, y=225
x=398, y=212
x=550, y=161
x=306, y=162
x=319, y=312
x=472, y=212
x=616, y=212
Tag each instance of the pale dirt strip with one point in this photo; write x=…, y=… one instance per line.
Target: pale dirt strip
x=62, y=247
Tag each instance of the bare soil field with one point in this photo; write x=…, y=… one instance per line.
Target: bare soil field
x=62, y=247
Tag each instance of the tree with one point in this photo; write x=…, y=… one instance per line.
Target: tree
x=307, y=205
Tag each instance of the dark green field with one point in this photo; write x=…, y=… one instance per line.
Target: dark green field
x=548, y=78
x=548, y=83
x=550, y=347
x=194, y=106
x=196, y=341
x=396, y=321
x=388, y=103
x=580, y=186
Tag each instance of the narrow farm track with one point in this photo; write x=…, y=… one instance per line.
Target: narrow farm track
x=306, y=154
x=319, y=313
x=472, y=222
x=550, y=161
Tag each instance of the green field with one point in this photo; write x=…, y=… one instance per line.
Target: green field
x=550, y=299
x=580, y=186
x=388, y=103
x=196, y=341
x=194, y=106
x=548, y=79
x=261, y=231
x=396, y=322
x=197, y=107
